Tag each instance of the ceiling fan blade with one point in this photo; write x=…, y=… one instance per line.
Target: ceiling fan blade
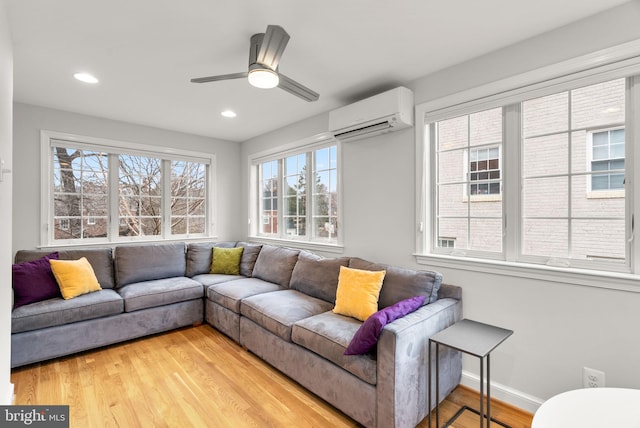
x=272, y=46
x=297, y=89
x=221, y=77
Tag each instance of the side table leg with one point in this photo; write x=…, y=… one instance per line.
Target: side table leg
x=481, y=392
x=437, y=385
x=429, y=384
x=489, y=390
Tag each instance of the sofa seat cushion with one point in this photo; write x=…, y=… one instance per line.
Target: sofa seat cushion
x=328, y=335
x=57, y=311
x=229, y=294
x=159, y=292
x=278, y=311
x=208, y=279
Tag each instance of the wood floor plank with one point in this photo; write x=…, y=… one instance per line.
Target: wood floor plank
x=195, y=377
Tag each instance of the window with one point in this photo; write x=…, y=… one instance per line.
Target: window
x=188, y=198
x=140, y=195
x=484, y=167
x=607, y=154
x=468, y=173
x=80, y=183
x=446, y=242
x=106, y=191
x=560, y=198
x=559, y=221
x=297, y=194
x=269, y=197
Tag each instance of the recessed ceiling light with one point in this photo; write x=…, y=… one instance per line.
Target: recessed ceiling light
x=86, y=78
x=229, y=113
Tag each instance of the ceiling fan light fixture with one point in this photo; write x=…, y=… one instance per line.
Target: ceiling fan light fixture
x=86, y=78
x=263, y=78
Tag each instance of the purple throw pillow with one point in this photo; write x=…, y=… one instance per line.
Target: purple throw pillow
x=34, y=281
x=367, y=335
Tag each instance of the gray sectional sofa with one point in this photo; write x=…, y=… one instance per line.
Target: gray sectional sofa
x=279, y=307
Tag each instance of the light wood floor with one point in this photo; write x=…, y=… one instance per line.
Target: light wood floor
x=195, y=377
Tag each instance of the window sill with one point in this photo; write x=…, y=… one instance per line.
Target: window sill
x=312, y=246
x=122, y=243
x=591, y=278
x=605, y=194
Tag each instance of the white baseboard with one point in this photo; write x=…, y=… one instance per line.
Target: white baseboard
x=8, y=398
x=501, y=392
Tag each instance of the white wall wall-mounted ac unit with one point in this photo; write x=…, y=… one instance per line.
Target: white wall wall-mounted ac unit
x=389, y=111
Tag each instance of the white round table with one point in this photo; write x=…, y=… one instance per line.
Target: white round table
x=590, y=407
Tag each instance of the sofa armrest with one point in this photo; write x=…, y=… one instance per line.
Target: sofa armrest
x=402, y=392
x=450, y=291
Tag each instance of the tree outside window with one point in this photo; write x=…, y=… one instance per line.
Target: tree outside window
x=84, y=201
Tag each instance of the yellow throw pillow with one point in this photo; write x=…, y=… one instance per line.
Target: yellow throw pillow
x=74, y=277
x=358, y=291
x=226, y=261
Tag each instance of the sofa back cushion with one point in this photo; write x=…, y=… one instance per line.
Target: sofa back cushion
x=33, y=281
x=101, y=261
x=249, y=257
x=147, y=262
x=199, y=256
x=400, y=284
x=316, y=276
x=275, y=264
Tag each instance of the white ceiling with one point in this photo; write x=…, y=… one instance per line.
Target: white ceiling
x=145, y=51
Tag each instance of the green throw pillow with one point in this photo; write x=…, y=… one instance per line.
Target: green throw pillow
x=226, y=260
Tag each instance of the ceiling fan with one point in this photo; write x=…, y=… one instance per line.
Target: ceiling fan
x=264, y=56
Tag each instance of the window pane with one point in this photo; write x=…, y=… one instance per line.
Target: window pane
x=140, y=189
x=468, y=150
x=79, y=192
x=548, y=228
x=449, y=170
x=600, y=182
x=325, y=194
x=546, y=197
x=453, y=133
x=268, y=185
x=197, y=225
x=95, y=227
x=598, y=105
x=457, y=229
x=188, y=191
x=598, y=240
x=546, y=237
x=486, y=234
x=485, y=127
x=585, y=205
x=546, y=115
x=548, y=155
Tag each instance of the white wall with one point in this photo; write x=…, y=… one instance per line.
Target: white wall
x=6, y=95
x=559, y=328
x=30, y=120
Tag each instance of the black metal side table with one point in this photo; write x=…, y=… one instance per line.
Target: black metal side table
x=473, y=338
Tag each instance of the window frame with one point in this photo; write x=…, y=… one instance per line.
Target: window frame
x=114, y=148
x=279, y=154
x=619, y=61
